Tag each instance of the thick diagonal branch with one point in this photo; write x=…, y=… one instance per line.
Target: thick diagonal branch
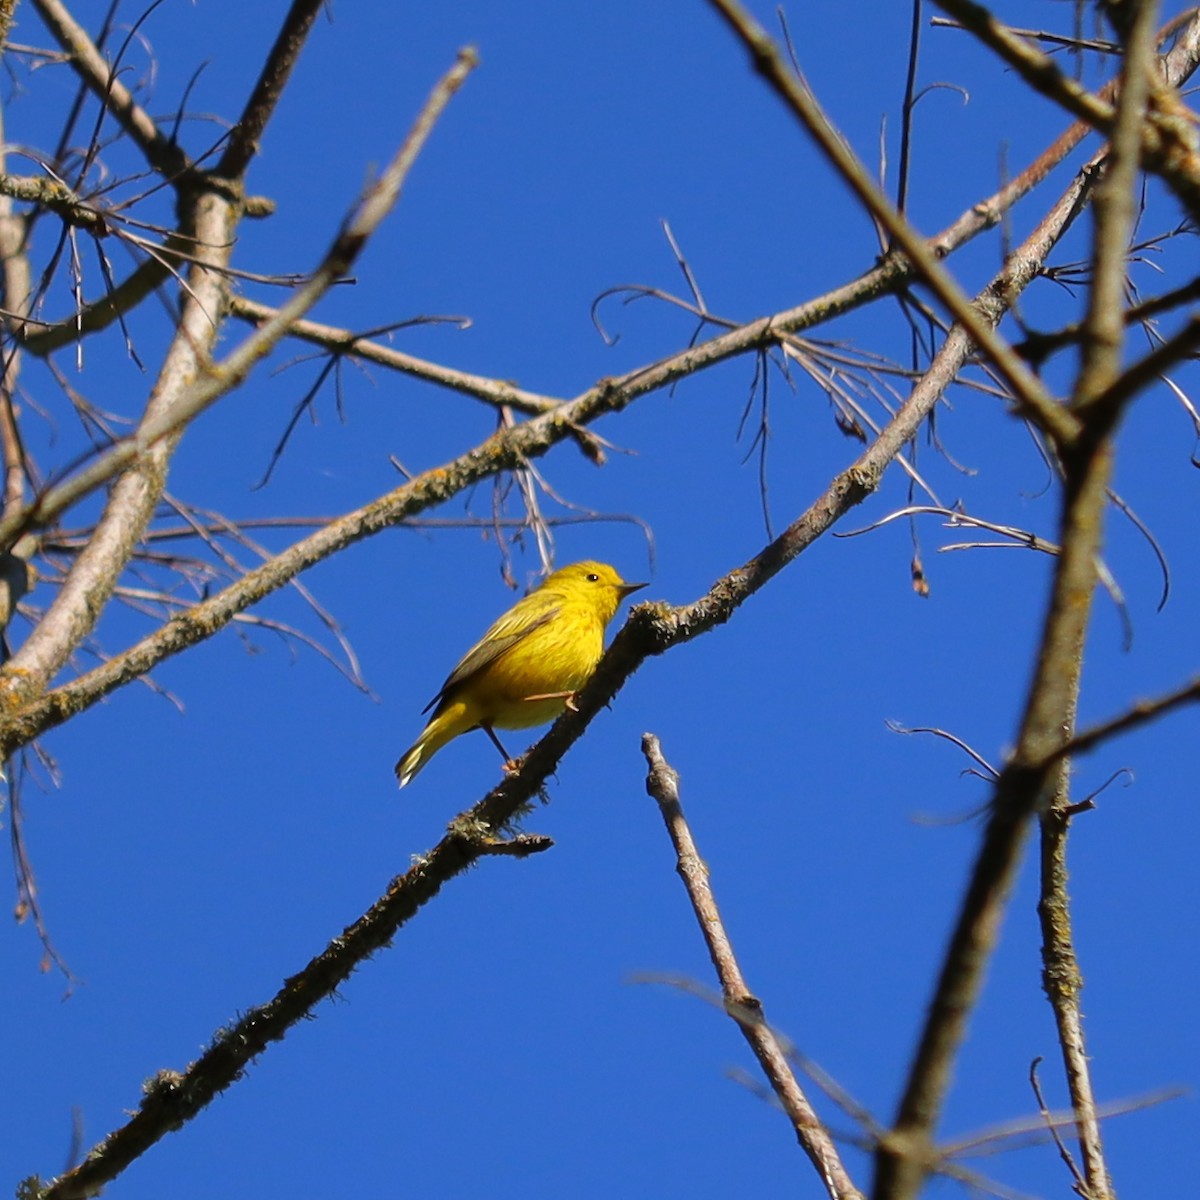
x=164, y=154
x=277, y=70
x=135, y=495
x=1029, y=782
x=1104, y=335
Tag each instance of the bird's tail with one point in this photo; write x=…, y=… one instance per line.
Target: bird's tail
x=445, y=725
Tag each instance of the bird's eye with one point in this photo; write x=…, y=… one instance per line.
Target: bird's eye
x=593, y=578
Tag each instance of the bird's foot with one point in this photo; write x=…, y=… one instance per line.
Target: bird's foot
x=513, y=765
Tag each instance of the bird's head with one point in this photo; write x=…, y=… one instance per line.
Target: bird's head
x=593, y=584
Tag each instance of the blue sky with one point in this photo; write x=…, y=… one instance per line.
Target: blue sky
x=191, y=861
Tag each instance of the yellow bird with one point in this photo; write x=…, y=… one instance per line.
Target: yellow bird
x=528, y=665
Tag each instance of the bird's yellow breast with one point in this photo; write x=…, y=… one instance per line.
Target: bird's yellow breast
x=558, y=657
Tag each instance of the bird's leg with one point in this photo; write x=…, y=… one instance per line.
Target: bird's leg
x=496, y=742
x=509, y=762
x=568, y=698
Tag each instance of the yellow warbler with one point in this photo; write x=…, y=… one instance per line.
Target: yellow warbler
x=528, y=665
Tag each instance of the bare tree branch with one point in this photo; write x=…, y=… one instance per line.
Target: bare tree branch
x=1028, y=391
x=662, y=784
x=497, y=392
x=188, y=385
x=242, y=144
x=161, y=152
x=1025, y=783
x=1170, y=145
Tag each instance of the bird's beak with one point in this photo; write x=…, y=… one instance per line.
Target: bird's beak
x=627, y=589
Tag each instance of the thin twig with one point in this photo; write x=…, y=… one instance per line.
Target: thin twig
x=662, y=783
x=1134, y=717
x=1028, y=391
x=344, y=341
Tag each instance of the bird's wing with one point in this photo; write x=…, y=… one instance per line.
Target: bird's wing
x=515, y=626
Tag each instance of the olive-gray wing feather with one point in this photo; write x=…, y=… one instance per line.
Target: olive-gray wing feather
x=507, y=632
